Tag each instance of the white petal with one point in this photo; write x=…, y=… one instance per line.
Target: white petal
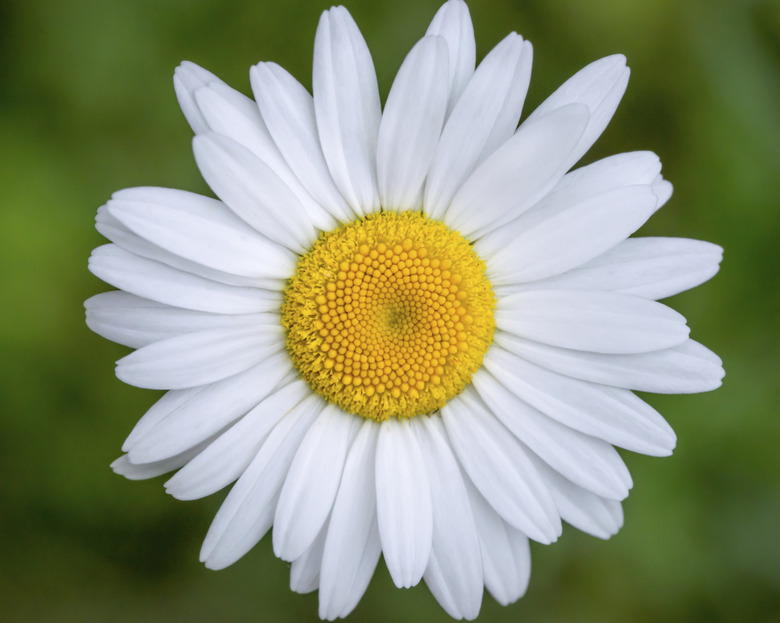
x=130, y=320
x=226, y=458
x=347, y=107
x=600, y=86
x=305, y=571
x=403, y=503
x=591, y=463
x=200, y=358
x=583, y=509
x=486, y=116
x=236, y=116
x=312, y=482
x=411, y=124
x=352, y=522
x=684, y=369
x=141, y=471
x=499, y=467
x=602, y=322
x=248, y=510
x=365, y=570
x=205, y=231
x=453, y=22
x=455, y=547
x=517, y=174
x=566, y=236
x=288, y=112
x=183, y=419
x=652, y=268
x=253, y=191
x=187, y=79
x=506, y=555
x=614, y=415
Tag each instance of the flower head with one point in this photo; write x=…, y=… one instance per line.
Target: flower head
x=412, y=331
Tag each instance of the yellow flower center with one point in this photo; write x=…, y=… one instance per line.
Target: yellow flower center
x=389, y=315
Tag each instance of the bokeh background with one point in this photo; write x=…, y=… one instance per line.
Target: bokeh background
x=87, y=107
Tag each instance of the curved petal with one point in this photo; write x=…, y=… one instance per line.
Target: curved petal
x=411, y=124
x=403, y=503
x=312, y=482
x=184, y=418
x=248, y=510
x=288, y=112
x=485, y=116
x=142, y=471
x=161, y=283
x=453, y=22
x=188, y=78
x=226, y=458
x=601, y=322
x=455, y=566
x=517, y=174
x=589, y=462
x=614, y=415
x=305, y=570
x=351, y=524
x=253, y=191
x=499, y=467
x=347, y=108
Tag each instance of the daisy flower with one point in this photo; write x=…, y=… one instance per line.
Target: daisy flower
x=410, y=332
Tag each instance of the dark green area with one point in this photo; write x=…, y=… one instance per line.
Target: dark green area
x=87, y=107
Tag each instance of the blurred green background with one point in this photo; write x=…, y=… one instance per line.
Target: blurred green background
x=87, y=107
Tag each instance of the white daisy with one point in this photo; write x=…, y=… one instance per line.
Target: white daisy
x=406, y=332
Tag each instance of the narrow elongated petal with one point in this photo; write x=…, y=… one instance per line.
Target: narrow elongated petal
x=412, y=123
x=485, y=116
x=248, y=510
x=288, y=112
x=158, y=282
x=614, y=415
x=182, y=419
x=305, y=571
x=506, y=555
x=652, y=268
x=453, y=23
x=226, y=458
x=347, y=108
x=403, y=500
x=352, y=522
x=142, y=471
x=200, y=358
x=365, y=569
x=684, y=369
x=600, y=86
x=456, y=558
x=499, y=467
x=591, y=463
x=312, y=482
x=601, y=322
x=130, y=320
x=253, y=191
x=518, y=174
x=187, y=79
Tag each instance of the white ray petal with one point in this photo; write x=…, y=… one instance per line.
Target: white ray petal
x=404, y=512
x=500, y=468
x=142, y=471
x=248, y=510
x=411, y=124
x=182, y=419
x=226, y=458
x=485, y=116
x=288, y=112
x=592, y=463
x=347, y=108
x=517, y=174
x=614, y=415
x=312, y=482
x=305, y=570
x=352, y=522
x=601, y=322
x=455, y=548
x=188, y=78
x=158, y=282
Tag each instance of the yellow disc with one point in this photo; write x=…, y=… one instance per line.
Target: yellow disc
x=389, y=315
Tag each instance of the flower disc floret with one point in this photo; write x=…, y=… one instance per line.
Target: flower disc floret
x=389, y=315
